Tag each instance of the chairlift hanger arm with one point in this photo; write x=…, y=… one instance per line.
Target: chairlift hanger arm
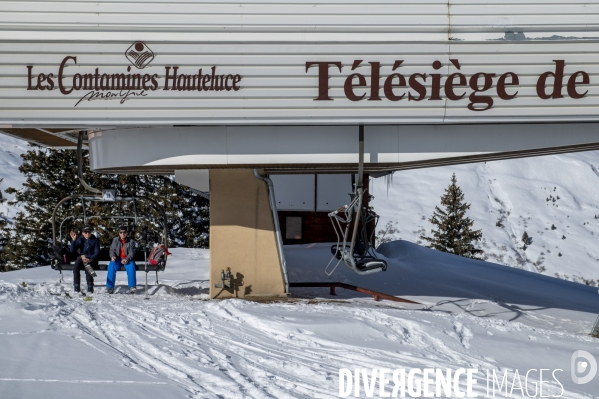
x=80, y=165
x=361, y=156
x=365, y=264
x=359, y=190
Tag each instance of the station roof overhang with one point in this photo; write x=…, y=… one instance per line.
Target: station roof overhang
x=60, y=138
x=374, y=170
x=323, y=149
x=66, y=138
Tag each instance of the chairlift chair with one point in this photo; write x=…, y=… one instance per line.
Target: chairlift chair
x=98, y=196
x=57, y=242
x=357, y=255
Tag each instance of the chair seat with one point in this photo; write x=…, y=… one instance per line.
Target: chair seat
x=371, y=264
x=104, y=266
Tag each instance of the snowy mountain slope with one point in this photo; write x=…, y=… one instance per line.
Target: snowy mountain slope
x=10, y=160
x=509, y=198
x=179, y=345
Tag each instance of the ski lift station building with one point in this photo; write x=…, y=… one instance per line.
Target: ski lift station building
x=222, y=93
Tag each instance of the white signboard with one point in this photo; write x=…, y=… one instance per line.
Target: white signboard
x=84, y=64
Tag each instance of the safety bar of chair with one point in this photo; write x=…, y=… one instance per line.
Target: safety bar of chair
x=333, y=220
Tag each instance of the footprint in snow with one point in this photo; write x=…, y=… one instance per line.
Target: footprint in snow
x=464, y=334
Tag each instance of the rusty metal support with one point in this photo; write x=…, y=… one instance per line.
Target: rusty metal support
x=377, y=295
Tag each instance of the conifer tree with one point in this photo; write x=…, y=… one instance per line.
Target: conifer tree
x=526, y=240
x=4, y=234
x=453, y=232
x=52, y=175
x=3, y=220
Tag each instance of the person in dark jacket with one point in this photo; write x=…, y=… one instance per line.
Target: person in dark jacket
x=122, y=252
x=88, y=246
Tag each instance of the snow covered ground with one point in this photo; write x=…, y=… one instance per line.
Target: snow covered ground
x=472, y=314
x=177, y=344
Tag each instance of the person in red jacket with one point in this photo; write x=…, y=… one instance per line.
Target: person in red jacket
x=122, y=252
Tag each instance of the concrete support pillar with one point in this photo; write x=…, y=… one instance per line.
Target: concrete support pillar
x=242, y=236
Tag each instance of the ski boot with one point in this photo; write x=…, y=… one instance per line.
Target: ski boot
x=89, y=269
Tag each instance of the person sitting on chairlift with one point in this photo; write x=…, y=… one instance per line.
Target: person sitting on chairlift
x=89, y=248
x=122, y=252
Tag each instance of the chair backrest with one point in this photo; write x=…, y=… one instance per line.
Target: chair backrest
x=158, y=255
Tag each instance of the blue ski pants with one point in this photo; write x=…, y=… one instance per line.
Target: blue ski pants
x=113, y=266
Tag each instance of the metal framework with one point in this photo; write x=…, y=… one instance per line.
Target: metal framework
x=100, y=198
x=366, y=262
x=96, y=198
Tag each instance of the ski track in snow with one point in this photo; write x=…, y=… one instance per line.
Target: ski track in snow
x=239, y=349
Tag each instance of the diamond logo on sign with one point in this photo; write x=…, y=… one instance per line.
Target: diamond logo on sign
x=139, y=54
